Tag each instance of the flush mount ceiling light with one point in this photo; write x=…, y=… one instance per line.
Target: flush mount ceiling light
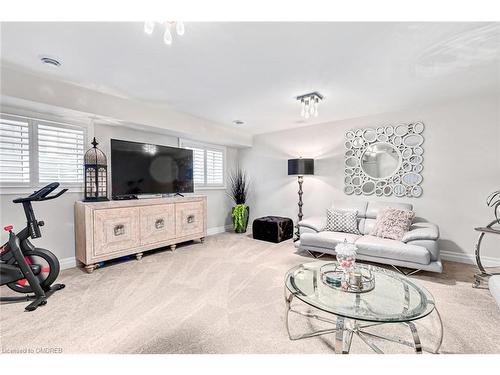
x=238, y=122
x=149, y=28
x=49, y=61
x=310, y=103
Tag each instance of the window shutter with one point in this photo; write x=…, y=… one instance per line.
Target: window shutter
x=198, y=165
x=215, y=160
x=14, y=151
x=208, y=164
x=60, y=153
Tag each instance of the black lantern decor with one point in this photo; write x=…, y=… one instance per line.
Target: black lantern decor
x=96, y=175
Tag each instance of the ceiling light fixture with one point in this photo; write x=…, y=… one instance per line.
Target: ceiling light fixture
x=310, y=103
x=50, y=61
x=149, y=27
x=238, y=122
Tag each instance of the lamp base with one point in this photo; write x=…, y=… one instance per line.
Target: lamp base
x=300, y=180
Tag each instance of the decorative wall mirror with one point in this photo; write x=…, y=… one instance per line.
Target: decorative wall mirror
x=386, y=160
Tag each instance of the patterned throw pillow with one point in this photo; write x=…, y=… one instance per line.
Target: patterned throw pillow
x=342, y=221
x=392, y=223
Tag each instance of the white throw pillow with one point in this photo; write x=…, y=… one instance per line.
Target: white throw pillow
x=342, y=221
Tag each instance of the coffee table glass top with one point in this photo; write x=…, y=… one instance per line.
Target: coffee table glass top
x=395, y=298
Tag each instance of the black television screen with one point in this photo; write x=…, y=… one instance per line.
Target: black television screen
x=141, y=168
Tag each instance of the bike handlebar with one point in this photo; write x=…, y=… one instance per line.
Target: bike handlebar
x=55, y=195
x=42, y=194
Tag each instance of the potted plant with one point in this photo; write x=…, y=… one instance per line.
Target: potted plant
x=238, y=191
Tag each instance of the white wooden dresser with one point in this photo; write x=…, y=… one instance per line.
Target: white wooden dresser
x=108, y=230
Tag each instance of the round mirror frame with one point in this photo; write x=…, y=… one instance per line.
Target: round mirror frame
x=395, y=169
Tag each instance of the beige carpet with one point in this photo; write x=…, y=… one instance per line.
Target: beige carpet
x=223, y=296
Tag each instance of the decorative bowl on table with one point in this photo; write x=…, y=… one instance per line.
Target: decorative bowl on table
x=358, y=279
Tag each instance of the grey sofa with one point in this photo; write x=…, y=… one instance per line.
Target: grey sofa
x=417, y=250
x=494, y=284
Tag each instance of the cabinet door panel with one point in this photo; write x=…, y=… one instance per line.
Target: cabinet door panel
x=157, y=223
x=115, y=230
x=189, y=219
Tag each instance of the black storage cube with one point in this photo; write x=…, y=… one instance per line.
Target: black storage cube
x=272, y=228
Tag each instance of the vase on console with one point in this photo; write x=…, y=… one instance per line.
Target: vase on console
x=238, y=191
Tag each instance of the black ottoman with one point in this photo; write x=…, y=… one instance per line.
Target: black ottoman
x=272, y=228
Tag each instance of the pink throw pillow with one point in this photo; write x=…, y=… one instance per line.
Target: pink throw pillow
x=393, y=223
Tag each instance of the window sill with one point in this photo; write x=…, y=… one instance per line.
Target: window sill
x=199, y=188
x=28, y=190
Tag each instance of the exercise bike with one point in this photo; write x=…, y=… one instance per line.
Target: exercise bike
x=25, y=268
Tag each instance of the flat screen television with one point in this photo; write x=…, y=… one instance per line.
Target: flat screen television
x=141, y=168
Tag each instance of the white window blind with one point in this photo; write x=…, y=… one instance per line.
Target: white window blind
x=215, y=165
x=208, y=164
x=14, y=152
x=198, y=165
x=60, y=153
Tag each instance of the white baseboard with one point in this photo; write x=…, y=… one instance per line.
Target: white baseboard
x=217, y=230
x=67, y=263
x=469, y=259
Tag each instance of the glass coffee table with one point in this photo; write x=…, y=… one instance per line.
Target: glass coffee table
x=396, y=299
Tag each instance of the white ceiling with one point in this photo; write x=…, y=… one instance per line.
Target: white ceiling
x=253, y=71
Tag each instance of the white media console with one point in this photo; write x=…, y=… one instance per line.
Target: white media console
x=108, y=230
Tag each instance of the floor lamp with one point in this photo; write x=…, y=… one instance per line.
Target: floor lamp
x=300, y=167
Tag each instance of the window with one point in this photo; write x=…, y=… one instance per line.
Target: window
x=14, y=151
x=208, y=164
x=60, y=154
x=35, y=152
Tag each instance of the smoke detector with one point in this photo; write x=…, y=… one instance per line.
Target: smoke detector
x=49, y=61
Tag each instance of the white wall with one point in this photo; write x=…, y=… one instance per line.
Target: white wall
x=58, y=232
x=461, y=167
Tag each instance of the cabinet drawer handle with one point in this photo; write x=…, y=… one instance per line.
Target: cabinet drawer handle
x=119, y=230
x=159, y=223
x=190, y=219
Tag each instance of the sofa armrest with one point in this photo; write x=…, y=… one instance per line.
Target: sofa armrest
x=422, y=231
x=316, y=223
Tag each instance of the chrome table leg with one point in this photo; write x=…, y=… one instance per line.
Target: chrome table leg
x=374, y=347
x=441, y=331
x=339, y=335
x=288, y=301
x=416, y=338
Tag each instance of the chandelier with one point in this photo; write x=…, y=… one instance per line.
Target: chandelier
x=310, y=103
x=149, y=28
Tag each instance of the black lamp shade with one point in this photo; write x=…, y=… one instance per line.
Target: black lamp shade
x=300, y=166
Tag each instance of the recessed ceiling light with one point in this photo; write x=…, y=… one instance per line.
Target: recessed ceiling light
x=50, y=61
x=238, y=122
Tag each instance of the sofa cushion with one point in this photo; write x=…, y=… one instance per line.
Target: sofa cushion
x=366, y=225
x=326, y=239
x=430, y=245
x=393, y=223
x=341, y=221
x=494, y=284
x=392, y=249
x=360, y=207
x=373, y=208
